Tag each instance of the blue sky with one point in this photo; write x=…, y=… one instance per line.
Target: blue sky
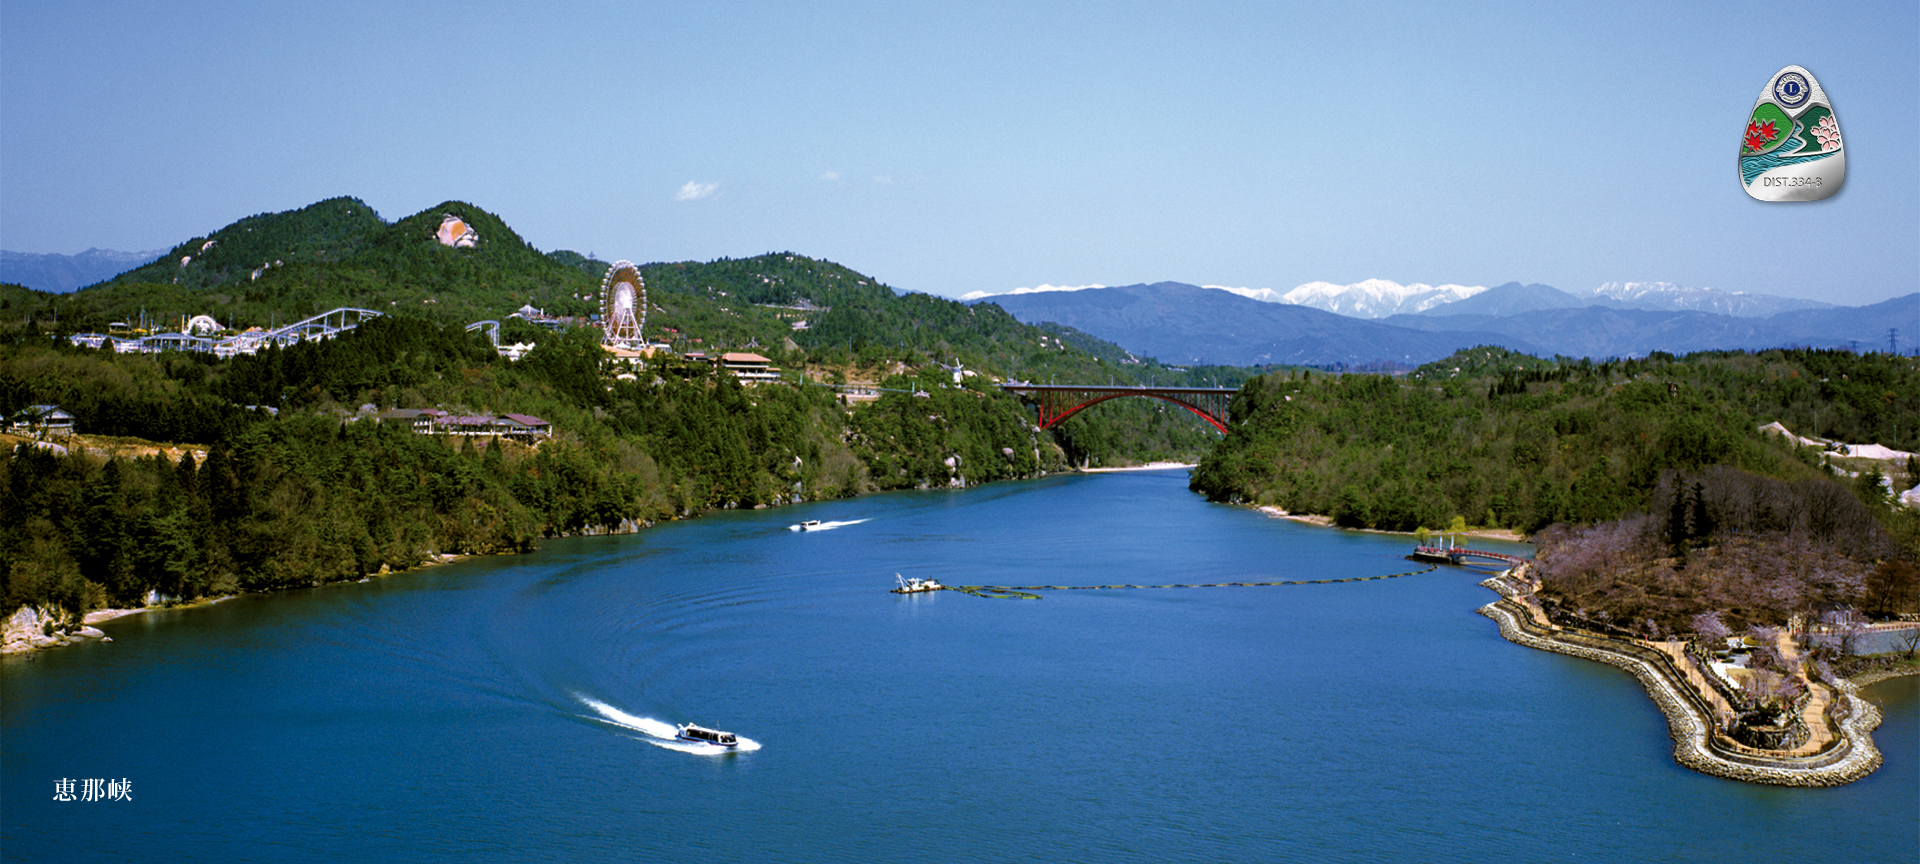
x=949, y=148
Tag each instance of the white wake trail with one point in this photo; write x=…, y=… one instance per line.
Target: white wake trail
x=826, y=526
x=660, y=734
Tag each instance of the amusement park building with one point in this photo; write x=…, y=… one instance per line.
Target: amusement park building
x=42, y=421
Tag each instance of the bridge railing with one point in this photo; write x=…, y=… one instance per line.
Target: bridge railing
x=1455, y=553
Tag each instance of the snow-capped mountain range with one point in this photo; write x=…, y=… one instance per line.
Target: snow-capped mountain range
x=1382, y=298
x=1374, y=298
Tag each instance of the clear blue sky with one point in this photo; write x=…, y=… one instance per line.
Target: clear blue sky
x=954, y=147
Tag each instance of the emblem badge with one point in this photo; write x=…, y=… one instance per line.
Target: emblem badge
x=1790, y=149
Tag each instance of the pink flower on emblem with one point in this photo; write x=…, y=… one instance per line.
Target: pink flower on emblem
x=1828, y=132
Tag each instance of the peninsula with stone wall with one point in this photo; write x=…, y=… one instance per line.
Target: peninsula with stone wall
x=1824, y=740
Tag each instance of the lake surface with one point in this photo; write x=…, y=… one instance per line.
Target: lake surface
x=501, y=708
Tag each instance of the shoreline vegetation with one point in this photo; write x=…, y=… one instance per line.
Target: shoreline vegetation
x=35, y=628
x=31, y=629
x=1322, y=521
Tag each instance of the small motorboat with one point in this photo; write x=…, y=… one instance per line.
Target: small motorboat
x=916, y=585
x=808, y=525
x=703, y=735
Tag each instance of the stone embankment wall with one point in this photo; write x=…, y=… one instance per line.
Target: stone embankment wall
x=1851, y=757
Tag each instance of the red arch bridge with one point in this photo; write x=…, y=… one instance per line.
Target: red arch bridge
x=1057, y=402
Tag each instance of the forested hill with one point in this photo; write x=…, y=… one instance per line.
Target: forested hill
x=801, y=312
x=814, y=318
x=339, y=252
x=1497, y=439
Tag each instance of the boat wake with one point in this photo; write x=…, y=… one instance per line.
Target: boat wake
x=658, y=733
x=823, y=526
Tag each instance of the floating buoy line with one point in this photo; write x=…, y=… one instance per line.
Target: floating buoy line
x=1027, y=592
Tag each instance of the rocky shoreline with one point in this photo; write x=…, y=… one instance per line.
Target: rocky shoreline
x=1851, y=756
x=33, y=628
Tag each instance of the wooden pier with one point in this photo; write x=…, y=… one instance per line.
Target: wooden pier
x=1454, y=555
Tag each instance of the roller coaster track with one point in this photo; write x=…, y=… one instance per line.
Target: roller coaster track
x=325, y=325
x=493, y=330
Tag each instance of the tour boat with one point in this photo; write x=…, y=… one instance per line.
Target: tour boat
x=703, y=735
x=808, y=525
x=916, y=585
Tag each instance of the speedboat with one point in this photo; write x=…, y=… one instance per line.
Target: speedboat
x=808, y=525
x=703, y=735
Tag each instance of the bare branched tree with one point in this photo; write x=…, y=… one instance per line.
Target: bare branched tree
x=1710, y=628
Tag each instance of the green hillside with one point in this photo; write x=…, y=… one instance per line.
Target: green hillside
x=1497, y=439
x=329, y=231
x=278, y=267
x=271, y=269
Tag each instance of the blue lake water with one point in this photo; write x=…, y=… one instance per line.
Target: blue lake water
x=500, y=708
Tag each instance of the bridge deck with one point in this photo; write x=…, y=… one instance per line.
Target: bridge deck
x=1453, y=555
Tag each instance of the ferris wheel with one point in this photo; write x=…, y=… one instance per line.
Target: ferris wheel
x=623, y=305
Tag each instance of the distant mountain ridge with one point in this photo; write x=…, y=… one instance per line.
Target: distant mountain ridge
x=1601, y=331
x=62, y=273
x=1378, y=299
x=1666, y=296
x=1188, y=324
x=1512, y=298
x=1179, y=323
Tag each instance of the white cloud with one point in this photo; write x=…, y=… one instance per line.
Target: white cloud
x=975, y=295
x=696, y=191
x=883, y=179
x=831, y=176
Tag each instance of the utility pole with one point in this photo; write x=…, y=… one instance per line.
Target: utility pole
x=1893, y=341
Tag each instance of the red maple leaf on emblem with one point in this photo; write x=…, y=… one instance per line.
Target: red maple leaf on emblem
x=1758, y=134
